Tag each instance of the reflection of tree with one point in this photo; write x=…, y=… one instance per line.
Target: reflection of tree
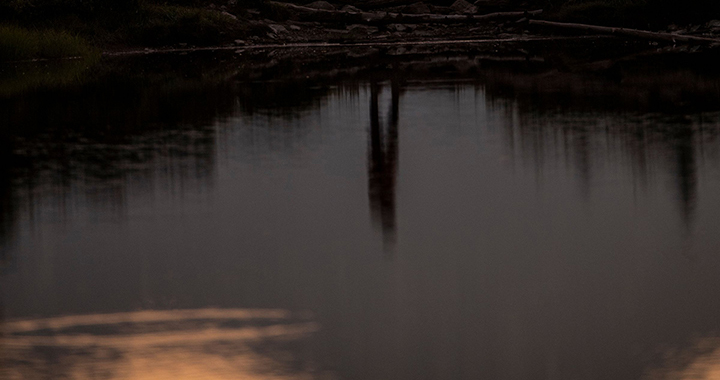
x=142, y=123
x=383, y=163
x=636, y=111
x=683, y=151
x=6, y=209
x=105, y=135
x=137, y=137
x=586, y=142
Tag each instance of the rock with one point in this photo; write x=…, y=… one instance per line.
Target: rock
x=277, y=29
x=437, y=9
x=294, y=27
x=337, y=35
x=463, y=7
x=321, y=5
x=360, y=53
x=713, y=26
x=229, y=15
x=416, y=8
x=350, y=8
x=361, y=30
x=240, y=42
x=396, y=27
x=490, y=5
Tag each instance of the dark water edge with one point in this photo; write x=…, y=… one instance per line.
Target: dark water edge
x=442, y=244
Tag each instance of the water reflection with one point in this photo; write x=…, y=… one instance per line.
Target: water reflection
x=383, y=164
x=72, y=144
x=177, y=344
x=653, y=147
x=686, y=167
x=539, y=213
x=700, y=360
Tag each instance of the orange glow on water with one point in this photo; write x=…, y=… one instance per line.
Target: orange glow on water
x=182, y=344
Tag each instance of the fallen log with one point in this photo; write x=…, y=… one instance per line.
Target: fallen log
x=636, y=33
x=312, y=14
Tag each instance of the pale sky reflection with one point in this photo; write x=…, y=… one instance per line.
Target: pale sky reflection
x=701, y=361
x=183, y=344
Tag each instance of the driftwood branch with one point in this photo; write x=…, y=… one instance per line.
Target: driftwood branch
x=312, y=14
x=636, y=33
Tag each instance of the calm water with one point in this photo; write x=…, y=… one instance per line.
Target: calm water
x=504, y=226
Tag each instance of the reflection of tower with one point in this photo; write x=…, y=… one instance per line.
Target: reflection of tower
x=382, y=165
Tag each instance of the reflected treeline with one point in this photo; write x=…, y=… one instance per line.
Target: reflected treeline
x=6, y=205
x=125, y=125
x=105, y=133
x=149, y=120
x=651, y=148
x=383, y=164
x=659, y=118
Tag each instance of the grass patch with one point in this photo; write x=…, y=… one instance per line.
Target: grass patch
x=157, y=25
x=25, y=11
x=20, y=44
x=27, y=76
x=123, y=23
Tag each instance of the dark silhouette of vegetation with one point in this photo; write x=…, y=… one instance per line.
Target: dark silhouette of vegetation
x=123, y=23
x=112, y=23
x=649, y=14
x=22, y=44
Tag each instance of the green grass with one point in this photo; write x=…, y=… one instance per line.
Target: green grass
x=22, y=44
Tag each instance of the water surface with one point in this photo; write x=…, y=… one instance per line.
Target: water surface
x=499, y=225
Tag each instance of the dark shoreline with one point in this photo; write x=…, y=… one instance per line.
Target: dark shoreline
x=200, y=25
